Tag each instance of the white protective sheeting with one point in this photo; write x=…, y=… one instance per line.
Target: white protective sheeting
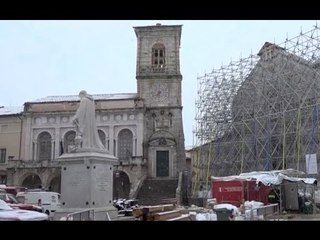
x=269, y=177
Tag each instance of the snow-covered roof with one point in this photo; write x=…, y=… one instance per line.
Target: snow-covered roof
x=188, y=148
x=268, y=177
x=71, y=98
x=10, y=110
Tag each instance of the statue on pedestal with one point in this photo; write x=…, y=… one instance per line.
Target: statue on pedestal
x=87, y=136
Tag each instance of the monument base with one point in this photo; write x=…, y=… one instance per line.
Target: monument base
x=86, y=179
x=91, y=214
x=86, y=186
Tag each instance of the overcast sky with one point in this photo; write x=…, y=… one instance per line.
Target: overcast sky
x=52, y=58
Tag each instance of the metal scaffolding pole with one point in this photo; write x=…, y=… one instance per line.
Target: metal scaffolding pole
x=260, y=113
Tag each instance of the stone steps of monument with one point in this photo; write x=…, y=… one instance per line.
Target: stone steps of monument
x=157, y=191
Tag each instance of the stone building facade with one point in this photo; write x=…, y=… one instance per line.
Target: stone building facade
x=11, y=123
x=143, y=130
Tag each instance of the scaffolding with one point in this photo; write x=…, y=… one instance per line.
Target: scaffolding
x=259, y=113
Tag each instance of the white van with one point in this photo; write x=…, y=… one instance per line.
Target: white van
x=49, y=201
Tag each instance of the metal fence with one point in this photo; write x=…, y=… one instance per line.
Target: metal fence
x=84, y=215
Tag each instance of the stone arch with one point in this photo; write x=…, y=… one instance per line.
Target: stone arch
x=162, y=138
x=55, y=184
x=121, y=185
x=31, y=181
x=40, y=131
x=118, y=130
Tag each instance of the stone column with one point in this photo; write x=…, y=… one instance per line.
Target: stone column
x=34, y=154
x=134, y=153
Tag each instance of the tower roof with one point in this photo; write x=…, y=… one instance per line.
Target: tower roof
x=156, y=28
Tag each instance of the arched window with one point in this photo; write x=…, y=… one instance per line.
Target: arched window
x=158, y=55
x=102, y=137
x=125, y=144
x=69, y=141
x=44, y=146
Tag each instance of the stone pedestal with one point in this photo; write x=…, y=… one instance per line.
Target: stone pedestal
x=87, y=183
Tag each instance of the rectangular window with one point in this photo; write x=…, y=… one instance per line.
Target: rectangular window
x=3, y=179
x=2, y=155
x=158, y=57
x=45, y=150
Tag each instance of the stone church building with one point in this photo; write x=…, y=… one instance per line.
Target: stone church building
x=143, y=130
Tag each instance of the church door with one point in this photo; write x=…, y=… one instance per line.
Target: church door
x=162, y=164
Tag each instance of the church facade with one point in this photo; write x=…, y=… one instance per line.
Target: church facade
x=143, y=130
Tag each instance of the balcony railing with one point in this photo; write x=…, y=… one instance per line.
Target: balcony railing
x=32, y=163
x=158, y=69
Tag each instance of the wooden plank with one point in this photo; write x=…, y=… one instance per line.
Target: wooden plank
x=159, y=208
x=170, y=201
x=166, y=215
x=184, y=217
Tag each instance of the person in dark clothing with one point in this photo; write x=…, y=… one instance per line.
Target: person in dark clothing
x=273, y=196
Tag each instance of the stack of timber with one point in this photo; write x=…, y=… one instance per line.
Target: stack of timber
x=165, y=212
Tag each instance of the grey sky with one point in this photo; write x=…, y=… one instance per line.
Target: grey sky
x=50, y=58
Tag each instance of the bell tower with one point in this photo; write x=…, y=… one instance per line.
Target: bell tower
x=158, y=65
x=159, y=85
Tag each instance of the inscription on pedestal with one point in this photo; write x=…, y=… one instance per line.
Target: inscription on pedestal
x=102, y=178
x=102, y=183
x=77, y=178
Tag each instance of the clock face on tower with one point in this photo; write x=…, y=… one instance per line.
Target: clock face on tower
x=159, y=92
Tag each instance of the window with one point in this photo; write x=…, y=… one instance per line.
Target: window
x=69, y=141
x=102, y=137
x=125, y=140
x=158, y=55
x=44, y=146
x=3, y=179
x=2, y=155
